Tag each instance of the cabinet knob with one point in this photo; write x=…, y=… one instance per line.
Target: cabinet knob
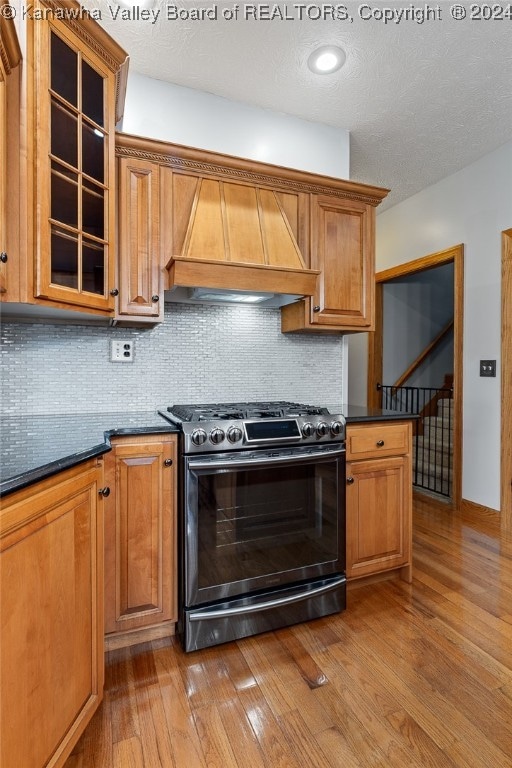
x=104, y=492
x=114, y=292
x=155, y=298
x=350, y=480
x=316, y=308
x=168, y=463
x=3, y=257
x=380, y=443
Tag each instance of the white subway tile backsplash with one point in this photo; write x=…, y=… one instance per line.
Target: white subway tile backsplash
x=200, y=353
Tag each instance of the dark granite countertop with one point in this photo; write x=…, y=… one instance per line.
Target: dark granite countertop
x=359, y=413
x=36, y=447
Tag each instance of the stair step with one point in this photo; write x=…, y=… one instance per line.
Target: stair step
x=429, y=469
x=435, y=457
x=422, y=443
x=445, y=407
x=436, y=422
x=438, y=438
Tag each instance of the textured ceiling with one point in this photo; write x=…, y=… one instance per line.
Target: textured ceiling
x=420, y=101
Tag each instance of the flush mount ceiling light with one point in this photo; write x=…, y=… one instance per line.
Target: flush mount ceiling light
x=327, y=59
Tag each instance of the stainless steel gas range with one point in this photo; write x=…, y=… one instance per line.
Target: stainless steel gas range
x=262, y=518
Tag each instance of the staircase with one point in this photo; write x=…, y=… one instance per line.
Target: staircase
x=433, y=449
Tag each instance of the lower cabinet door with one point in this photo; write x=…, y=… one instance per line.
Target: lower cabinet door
x=51, y=577
x=378, y=515
x=140, y=537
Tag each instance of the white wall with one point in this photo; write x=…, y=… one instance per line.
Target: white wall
x=471, y=207
x=181, y=115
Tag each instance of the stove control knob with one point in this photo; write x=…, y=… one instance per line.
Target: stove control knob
x=336, y=428
x=322, y=429
x=234, y=434
x=307, y=429
x=198, y=436
x=217, y=436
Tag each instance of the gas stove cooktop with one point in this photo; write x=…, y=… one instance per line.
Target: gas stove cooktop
x=237, y=426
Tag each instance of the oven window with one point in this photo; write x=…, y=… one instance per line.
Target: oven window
x=259, y=522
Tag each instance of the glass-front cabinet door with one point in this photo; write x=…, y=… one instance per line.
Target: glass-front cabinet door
x=75, y=151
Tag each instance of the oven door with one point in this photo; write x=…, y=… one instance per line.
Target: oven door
x=259, y=519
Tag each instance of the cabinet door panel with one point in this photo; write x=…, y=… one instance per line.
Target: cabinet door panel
x=139, y=239
x=52, y=620
x=140, y=535
x=342, y=248
x=378, y=515
x=74, y=211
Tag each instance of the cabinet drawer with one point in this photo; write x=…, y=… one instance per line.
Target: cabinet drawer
x=374, y=440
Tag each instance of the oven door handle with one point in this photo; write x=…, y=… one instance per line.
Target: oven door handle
x=264, y=462
x=267, y=604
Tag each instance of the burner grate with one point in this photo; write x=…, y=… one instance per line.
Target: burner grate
x=235, y=411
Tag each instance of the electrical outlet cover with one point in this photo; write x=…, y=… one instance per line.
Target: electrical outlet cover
x=121, y=351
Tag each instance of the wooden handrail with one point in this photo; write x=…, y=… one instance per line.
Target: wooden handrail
x=421, y=357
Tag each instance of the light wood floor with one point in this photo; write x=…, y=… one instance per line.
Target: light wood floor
x=408, y=675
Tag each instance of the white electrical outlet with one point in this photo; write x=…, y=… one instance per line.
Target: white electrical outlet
x=121, y=351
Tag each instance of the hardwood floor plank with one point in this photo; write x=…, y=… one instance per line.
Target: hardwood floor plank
x=213, y=738
x=306, y=749
x=308, y=668
x=237, y=667
x=242, y=738
x=273, y=670
x=180, y=721
x=153, y=734
x=128, y=753
x=272, y=740
x=121, y=690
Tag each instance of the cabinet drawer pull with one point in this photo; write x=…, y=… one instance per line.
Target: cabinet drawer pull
x=316, y=308
x=3, y=257
x=104, y=492
x=114, y=292
x=155, y=298
x=380, y=443
x=350, y=480
x=168, y=463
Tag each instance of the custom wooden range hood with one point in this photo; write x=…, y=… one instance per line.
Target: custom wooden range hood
x=239, y=237
x=225, y=222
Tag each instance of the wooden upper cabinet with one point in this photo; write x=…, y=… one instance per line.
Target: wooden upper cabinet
x=10, y=56
x=343, y=250
x=235, y=224
x=70, y=97
x=75, y=211
x=139, y=263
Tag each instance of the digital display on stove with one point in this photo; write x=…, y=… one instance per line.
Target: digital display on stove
x=271, y=430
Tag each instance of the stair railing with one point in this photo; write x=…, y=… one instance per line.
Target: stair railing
x=432, y=432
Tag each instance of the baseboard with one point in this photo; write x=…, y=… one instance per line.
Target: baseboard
x=472, y=506
x=136, y=636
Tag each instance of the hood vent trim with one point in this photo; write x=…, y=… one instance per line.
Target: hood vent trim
x=238, y=237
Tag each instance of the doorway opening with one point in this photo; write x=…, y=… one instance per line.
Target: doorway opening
x=411, y=299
